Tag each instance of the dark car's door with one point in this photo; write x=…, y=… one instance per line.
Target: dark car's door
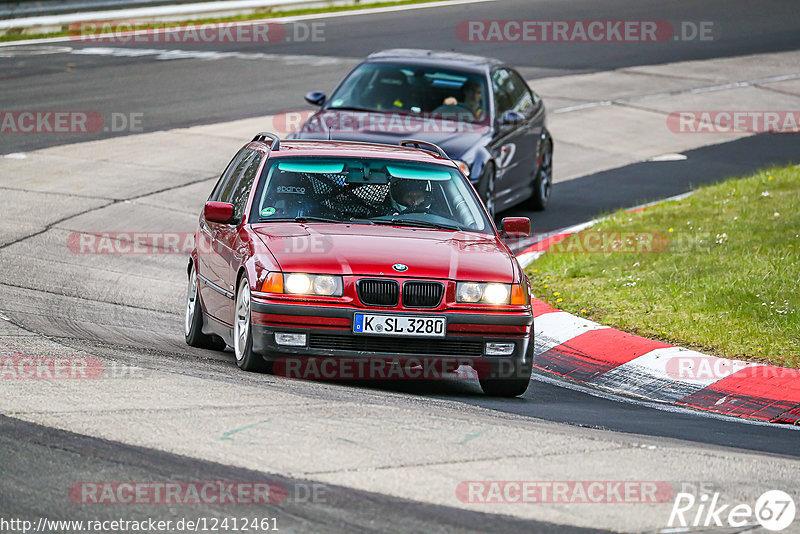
x=515, y=146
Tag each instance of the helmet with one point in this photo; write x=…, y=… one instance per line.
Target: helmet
x=409, y=194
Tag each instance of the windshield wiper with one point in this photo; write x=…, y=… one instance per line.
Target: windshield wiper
x=360, y=220
x=302, y=219
x=418, y=224
x=349, y=108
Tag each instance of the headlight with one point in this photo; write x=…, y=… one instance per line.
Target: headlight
x=462, y=166
x=298, y=283
x=469, y=292
x=491, y=293
x=304, y=284
x=496, y=293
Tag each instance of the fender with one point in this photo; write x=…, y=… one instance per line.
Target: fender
x=482, y=157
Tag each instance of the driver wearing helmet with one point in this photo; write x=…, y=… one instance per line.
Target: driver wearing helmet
x=409, y=196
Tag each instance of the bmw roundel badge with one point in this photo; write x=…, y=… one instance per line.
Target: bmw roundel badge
x=400, y=268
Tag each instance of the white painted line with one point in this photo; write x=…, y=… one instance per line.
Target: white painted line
x=669, y=157
x=163, y=54
x=692, y=91
x=169, y=11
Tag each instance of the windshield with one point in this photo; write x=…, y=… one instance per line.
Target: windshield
x=367, y=191
x=425, y=91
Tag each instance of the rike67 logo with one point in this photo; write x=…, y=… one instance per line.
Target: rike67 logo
x=774, y=510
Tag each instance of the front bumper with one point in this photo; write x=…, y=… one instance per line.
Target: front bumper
x=329, y=333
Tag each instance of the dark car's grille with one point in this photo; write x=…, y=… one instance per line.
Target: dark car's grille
x=378, y=292
x=422, y=294
x=405, y=345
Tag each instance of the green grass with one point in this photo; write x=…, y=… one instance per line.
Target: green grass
x=15, y=34
x=727, y=282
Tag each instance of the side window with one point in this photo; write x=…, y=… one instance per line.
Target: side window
x=225, y=178
x=502, y=98
x=244, y=181
x=520, y=94
x=511, y=92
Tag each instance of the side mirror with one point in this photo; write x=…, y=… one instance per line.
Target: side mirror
x=512, y=118
x=218, y=212
x=315, y=98
x=516, y=227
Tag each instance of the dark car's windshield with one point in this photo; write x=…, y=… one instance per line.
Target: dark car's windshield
x=367, y=191
x=425, y=91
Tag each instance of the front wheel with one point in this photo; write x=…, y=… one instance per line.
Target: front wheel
x=246, y=359
x=507, y=378
x=543, y=182
x=486, y=188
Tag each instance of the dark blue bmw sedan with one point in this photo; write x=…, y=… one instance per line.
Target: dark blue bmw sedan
x=479, y=110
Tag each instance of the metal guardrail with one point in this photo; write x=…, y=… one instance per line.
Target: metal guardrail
x=36, y=8
x=30, y=8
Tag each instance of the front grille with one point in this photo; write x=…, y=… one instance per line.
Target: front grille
x=405, y=345
x=422, y=294
x=378, y=292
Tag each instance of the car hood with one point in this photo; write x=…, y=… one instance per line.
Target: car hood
x=455, y=138
x=368, y=250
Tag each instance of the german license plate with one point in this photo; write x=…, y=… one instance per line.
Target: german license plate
x=399, y=325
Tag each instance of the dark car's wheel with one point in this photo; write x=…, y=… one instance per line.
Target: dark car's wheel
x=486, y=188
x=543, y=182
x=246, y=359
x=507, y=378
x=193, y=323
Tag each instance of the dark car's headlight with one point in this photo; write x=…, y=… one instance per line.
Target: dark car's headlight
x=326, y=285
x=491, y=293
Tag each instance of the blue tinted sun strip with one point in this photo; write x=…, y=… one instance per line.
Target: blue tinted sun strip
x=311, y=166
x=418, y=173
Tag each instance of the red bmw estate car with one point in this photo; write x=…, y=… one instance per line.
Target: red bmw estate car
x=331, y=249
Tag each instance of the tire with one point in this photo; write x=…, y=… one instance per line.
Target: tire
x=246, y=359
x=508, y=378
x=193, y=320
x=486, y=188
x=543, y=182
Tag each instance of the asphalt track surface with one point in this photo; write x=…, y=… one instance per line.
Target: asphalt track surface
x=38, y=489
x=174, y=94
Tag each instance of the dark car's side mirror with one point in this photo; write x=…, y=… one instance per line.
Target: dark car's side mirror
x=511, y=118
x=218, y=212
x=516, y=227
x=315, y=98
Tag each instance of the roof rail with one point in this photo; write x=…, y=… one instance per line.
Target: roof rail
x=263, y=136
x=424, y=145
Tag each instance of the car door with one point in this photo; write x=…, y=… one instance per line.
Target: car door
x=529, y=104
x=514, y=145
x=210, y=271
x=231, y=247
